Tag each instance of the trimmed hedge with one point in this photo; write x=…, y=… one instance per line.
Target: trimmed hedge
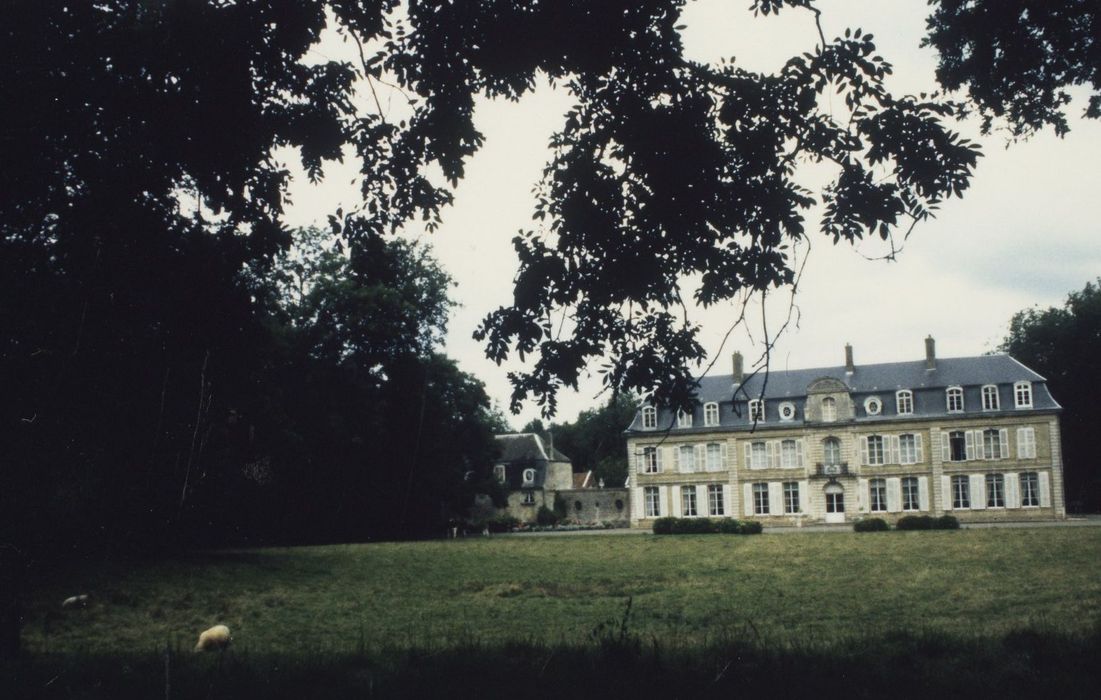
x=705, y=526
x=663, y=526
x=927, y=522
x=871, y=525
x=946, y=522
x=750, y=527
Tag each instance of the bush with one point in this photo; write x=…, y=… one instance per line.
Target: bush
x=750, y=527
x=914, y=522
x=545, y=516
x=729, y=526
x=946, y=522
x=871, y=525
x=560, y=506
x=502, y=523
x=692, y=526
x=664, y=526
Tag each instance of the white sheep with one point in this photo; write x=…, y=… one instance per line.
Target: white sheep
x=215, y=638
x=75, y=601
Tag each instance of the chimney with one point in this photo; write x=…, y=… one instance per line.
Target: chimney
x=849, y=368
x=930, y=353
x=550, y=443
x=739, y=372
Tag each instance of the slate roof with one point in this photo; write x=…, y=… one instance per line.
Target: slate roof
x=521, y=451
x=882, y=380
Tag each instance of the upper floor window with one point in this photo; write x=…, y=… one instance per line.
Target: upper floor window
x=957, y=446
x=908, y=449
x=954, y=396
x=990, y=398
x=651, y=460
x=829, y=409
x=714, y=457
x=789, y=454
x=993, y=443
x=758, y=455
x=529, y=476
x=711, y=414
x=873, y=406
x=904, y=402
x=684, y=419
x=1026, y=443
x=874, y=450
x=756, y=410
x=649, y=417
x=686, y=458
x=831, y=450
x=1022, y=394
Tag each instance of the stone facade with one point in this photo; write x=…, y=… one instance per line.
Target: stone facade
x=597, y=505
x=977, y=438
x=533, y=472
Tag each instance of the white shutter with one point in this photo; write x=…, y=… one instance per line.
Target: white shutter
x=729, y=508
x=1003, y=437
x=775, y=498
x=701, y=457
x=862, y=497
x=674, y=491
x=1012, y=490
x=663, y=500
x=1020, y=442
x=703, y=504
x=864, y=450
x=722, y=456
x=748, y=455
x=918, y=449
x=804, y=496
x=638, y=510
x=747, y=500
x=945, y=447
x=799, y=453
x=946, y=491
x=658, y=451
x=896, y=450
x=978, y=492
x=969, y=446
x=923, y=492
x=894, y=494
x=1045, y=490
x=772, y=449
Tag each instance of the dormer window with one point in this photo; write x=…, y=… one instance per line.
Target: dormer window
x=711, y=414
x=904, y=402
x=756, y=410
x=873, y=406
x=529, y=476
x=954, y=398
x=829, y=409
x=1022, y=394
x=787, y=411
x=990, y=398
x=684, y=420
x=649, y=418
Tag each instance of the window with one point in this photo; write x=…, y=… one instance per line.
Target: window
x=995, y=491
x=529, y=476
x=1030, y=489
x=652, y=501
x=789, y=456
x=992, y=444
x=650, y=461
x=499, y=472
x=684, y=419
x=1022, y=394
x=904, y=402
x=577, y=506
x=687, y=458
x=875, y=450
x=714, y=457
x=957, y=446
x=711, y=414
x=688, y=501
x=873, y=406
x=961, y=491
x=528, y=499
x=954, y=396
x=1026, y=443
x=990, y=398
x=756, y=410
x=829, y=409
x=910, y=495
x=907, y=449
x=649, y=418
x=831, y=450
x=758, y=456
x=791, y=497
x=715, y=505
x=877, y=495
x=787, y=411
x=760, y=499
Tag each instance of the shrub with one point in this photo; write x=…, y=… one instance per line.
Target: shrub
x=729, y=526
x=545, y=516
x=559, y=506
x=502, y=523
x=946, y=522
x=750, y=527
x=871, y=525
x=914, y=522
x=692, y=526
x=663, y=526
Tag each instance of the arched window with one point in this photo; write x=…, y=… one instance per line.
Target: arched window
x=873, y=406
x=711, y=414
x=1022, y=394
x=954, y=397
x=649, y=417
x=529, y=476
x=757, y=410
x=684, y=419
x=904, y=402
x=829, y=409
x=990, y=398
x=831, y=450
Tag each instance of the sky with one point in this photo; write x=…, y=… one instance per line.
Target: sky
x=1023, y=235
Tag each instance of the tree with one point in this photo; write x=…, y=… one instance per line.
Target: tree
x=1062, y=344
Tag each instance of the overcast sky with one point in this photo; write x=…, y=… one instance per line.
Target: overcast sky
x=1023, y=235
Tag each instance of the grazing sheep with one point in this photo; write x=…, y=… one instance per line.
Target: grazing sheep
x=215, y=638
x=75, y=601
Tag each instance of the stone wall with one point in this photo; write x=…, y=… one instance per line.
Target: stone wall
x=597, y=505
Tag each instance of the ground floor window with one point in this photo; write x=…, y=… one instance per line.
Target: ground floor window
x=791, y=497
x=652, y=501
x=760, y=499
x=995, y=491
x=528, y=498
x=877, y=491
x=961, y=491
x=715, y=505
x=688, y=501
x=910, y=500
x=1030, y=489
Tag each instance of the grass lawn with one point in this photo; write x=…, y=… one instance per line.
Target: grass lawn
x=801, y=590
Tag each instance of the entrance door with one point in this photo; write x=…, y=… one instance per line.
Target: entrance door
x=835, y=504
